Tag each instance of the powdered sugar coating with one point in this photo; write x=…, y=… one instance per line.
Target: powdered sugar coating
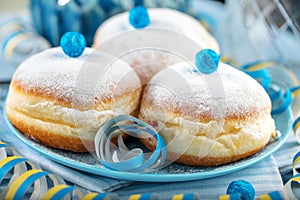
x=160, y=18
x=227, y=93
x=85, y=80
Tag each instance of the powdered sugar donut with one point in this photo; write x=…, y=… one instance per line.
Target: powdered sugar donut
x=165, y=32
x=61, y=101
x=208, y=119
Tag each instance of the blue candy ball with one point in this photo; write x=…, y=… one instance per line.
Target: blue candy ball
x=73, y=44
x=207, y=61
x=139, y=17
x=244, y=188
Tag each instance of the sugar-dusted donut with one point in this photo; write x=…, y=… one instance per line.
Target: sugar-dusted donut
x=169, y=35
x=61, y=101
x=207, y=119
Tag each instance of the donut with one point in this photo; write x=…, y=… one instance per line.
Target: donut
x=154, y=47
x=163, y=18
x=61, y=101
x=207, y=119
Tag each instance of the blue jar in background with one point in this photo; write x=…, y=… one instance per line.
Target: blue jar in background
x=52, y=18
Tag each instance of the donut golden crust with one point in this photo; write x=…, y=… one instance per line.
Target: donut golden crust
x=48, y=103
x=208, y=119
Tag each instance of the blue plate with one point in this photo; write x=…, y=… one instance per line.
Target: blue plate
x=175, y=172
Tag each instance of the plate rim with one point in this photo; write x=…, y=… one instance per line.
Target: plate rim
x=148, y=177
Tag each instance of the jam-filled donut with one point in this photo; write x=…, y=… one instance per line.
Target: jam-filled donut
x=61, y=101
x=207, y=119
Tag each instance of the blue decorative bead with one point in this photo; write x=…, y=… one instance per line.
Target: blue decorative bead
x=244, y=188
x=73, y=44
x=207, y=61
x=139, y=17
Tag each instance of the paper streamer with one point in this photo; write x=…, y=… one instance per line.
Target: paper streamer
x=26, y=177
x=119, y=157
x=143, y=197
x=288, y=190
x=228, y=60
x=18, y=188
x=185, y=197
x=57, y=192
x=259, y=65
x=259, y=70
x=2, y=152
x=19, y=40
x=295, y=91
x=230, y=197
x=296, y=126
x=296, y=160
x=101, y=196
x=271, y=196
x=29, y=175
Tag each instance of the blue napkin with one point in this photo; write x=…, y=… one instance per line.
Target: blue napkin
x=264, y=176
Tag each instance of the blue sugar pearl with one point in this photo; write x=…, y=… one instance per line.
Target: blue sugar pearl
x=73, y=44
x=207, y=61
x=139, y=17
x=244, y=188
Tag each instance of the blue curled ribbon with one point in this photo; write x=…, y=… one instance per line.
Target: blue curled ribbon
x=251, y=64
x=121, y=158
x=265, y=78
x=288, y=188
x=295, y=90
x=275, y=93
x=275, y=195
x=259, y=71
x=296, y=125
x=42, y=184
x=287, y=100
